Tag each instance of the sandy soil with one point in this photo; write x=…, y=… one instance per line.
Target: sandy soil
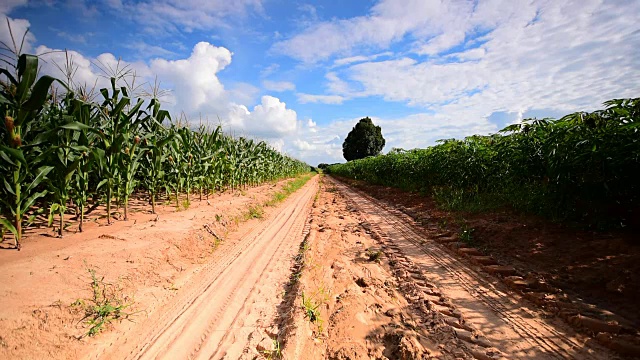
x=334, y=274
x=148, y=262
x=416, y=301
x=562, y=272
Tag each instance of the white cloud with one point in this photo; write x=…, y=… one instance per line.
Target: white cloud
x=387, y=22
x=196, y=87
x=359, y=58
x=324, y=99
x=278, y=86
x=559, y=56
x=269, y=119
x=167, y=16
x=303, y=145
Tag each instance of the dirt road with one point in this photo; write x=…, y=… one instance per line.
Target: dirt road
x=232, y=296
x=480, y=309
x=366, y=283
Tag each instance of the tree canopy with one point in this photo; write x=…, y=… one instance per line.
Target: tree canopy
x=365, y=139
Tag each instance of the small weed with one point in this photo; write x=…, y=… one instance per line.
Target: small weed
x=374, y=255
x=185, y=204
x=311, y=306
x=275, y=353
x=105, y=305
x=311, y=310
x=254, y=212
x=466, y=234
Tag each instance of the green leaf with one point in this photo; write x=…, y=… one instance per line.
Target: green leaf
x=8, y=187
x=76, y=126
x=101, y=183
x=16, y=155
x=9, y=226
x=42, y=174
x=39, y=93
x=79, y=148
x=52, y=210
x=123, y=102
x=6, y=73
x=6, y=158
x=4, y=100
x=27, y=71
x=31, y=200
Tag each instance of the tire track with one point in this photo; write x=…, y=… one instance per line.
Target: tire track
x=544, y=338
x=194, y=322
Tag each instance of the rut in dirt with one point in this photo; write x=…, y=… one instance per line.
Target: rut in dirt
x=482, y=311
x=235, y=294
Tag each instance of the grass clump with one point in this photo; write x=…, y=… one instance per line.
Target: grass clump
x=466, y=234
x=311, y=306
x=275, y=353
x=311, y=309
x=105, y=305
x=374, y=255
x=289, y=189
x=254, y=212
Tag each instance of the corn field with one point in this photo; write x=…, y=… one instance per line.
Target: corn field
x=583, y=167
x=61, y=149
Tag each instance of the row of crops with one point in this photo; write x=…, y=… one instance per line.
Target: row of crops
x=57, y=150
x=583, y=167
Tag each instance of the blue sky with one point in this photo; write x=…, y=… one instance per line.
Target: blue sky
x=299, y=74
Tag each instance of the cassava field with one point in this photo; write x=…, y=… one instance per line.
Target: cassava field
x=128, y=233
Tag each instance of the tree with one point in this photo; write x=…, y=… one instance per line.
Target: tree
x=365, y=139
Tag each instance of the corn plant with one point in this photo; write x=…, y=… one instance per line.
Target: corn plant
x=116, y=135
x=59, y=151
x=21, y=101
x=65, y=152
x=155, y=153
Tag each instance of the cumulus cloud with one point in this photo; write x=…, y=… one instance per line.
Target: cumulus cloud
x=196, y=87
x=269, y=119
